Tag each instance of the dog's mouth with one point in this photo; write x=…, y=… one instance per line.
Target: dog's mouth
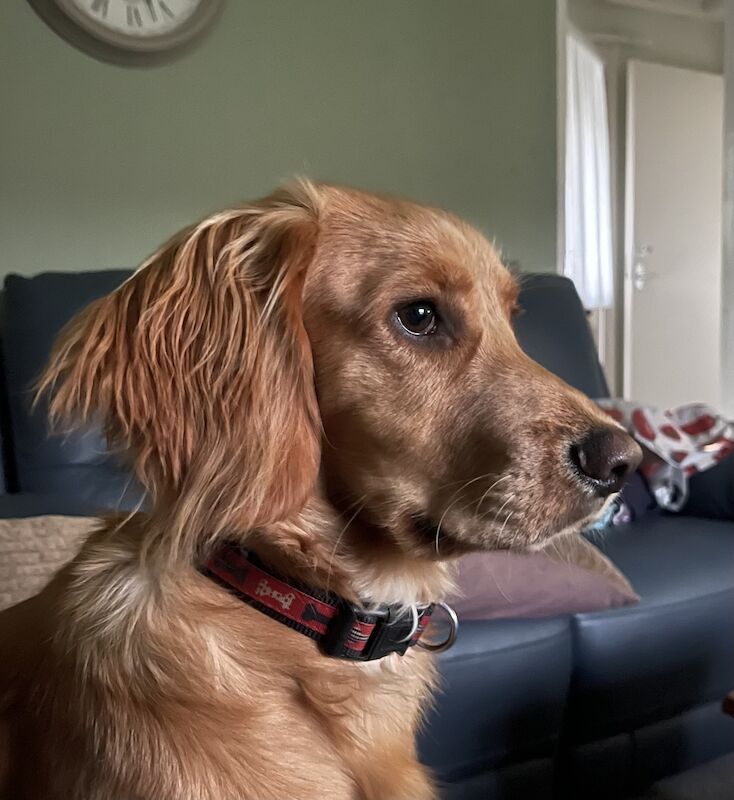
x=513, y=526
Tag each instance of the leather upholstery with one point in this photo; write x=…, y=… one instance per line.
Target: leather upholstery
x=711, y=781
x=526, y=780
x=19, y=506
x=553, y=330
x=34, y=311
x=711, y=493
x=624, y=765
x=640, y=664
x=495, y=701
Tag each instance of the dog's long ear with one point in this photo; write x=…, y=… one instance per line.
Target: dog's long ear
x=201, y=368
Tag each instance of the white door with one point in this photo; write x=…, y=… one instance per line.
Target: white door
x=673, y=205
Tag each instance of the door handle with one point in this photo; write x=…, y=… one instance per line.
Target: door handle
x=641, y=274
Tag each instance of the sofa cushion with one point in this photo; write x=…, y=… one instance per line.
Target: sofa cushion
x=674, y=650
x=34, y=311
x=496, y=705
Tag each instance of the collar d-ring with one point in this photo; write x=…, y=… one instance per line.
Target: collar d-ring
x=440, y=647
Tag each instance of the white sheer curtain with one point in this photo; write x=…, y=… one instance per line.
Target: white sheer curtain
x=588, y=250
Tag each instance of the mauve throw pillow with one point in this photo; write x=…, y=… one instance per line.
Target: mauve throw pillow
x=570, y=576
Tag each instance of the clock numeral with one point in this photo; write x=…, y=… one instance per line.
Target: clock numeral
x=101, y=7
x=151, y=10
x=165, y=9
x=133, y=17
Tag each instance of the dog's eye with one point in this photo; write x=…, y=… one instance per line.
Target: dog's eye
x=419, y=318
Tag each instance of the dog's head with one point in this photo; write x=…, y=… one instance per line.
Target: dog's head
x=327, y=335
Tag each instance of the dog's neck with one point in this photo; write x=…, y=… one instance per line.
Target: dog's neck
x=322, y=548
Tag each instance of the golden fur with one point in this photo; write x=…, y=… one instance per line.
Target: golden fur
x=254, y=373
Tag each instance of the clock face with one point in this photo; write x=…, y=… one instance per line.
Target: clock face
x=134, y=18
x=130, y=32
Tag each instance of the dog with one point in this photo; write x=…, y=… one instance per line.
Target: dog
x=322, y=394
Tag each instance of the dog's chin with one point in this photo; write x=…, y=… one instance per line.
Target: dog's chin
x=448, y=540
x=584, y=522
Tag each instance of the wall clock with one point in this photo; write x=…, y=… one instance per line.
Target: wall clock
x=130, y=32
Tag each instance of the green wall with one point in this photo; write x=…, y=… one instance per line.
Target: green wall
x=448, y=101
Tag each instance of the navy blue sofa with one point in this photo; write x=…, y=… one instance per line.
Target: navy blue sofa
x=586, y=706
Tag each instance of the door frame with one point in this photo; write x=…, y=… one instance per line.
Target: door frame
x=628, y=236
x=727, y=223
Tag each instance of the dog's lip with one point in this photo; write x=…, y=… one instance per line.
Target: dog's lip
x=585, y=513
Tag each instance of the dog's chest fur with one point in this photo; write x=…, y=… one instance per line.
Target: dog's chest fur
x=178, y=691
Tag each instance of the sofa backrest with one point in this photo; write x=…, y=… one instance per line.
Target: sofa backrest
x=34, y=310
x=553, y=330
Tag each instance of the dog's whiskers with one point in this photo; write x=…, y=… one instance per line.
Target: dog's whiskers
x=484, y=496
x=455, y=497
x=467, y=483
x=503, y=506
x=360, y=503
x=504, y=524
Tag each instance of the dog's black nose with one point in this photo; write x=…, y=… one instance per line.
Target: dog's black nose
x=605, y=458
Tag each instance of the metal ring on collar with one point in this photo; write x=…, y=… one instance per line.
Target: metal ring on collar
x=439, y=647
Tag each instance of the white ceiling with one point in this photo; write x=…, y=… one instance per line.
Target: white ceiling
x=625, y=30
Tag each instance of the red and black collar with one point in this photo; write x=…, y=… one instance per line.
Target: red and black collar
x=341, y=629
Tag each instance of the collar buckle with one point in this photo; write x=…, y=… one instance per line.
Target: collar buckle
x=359, y=634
